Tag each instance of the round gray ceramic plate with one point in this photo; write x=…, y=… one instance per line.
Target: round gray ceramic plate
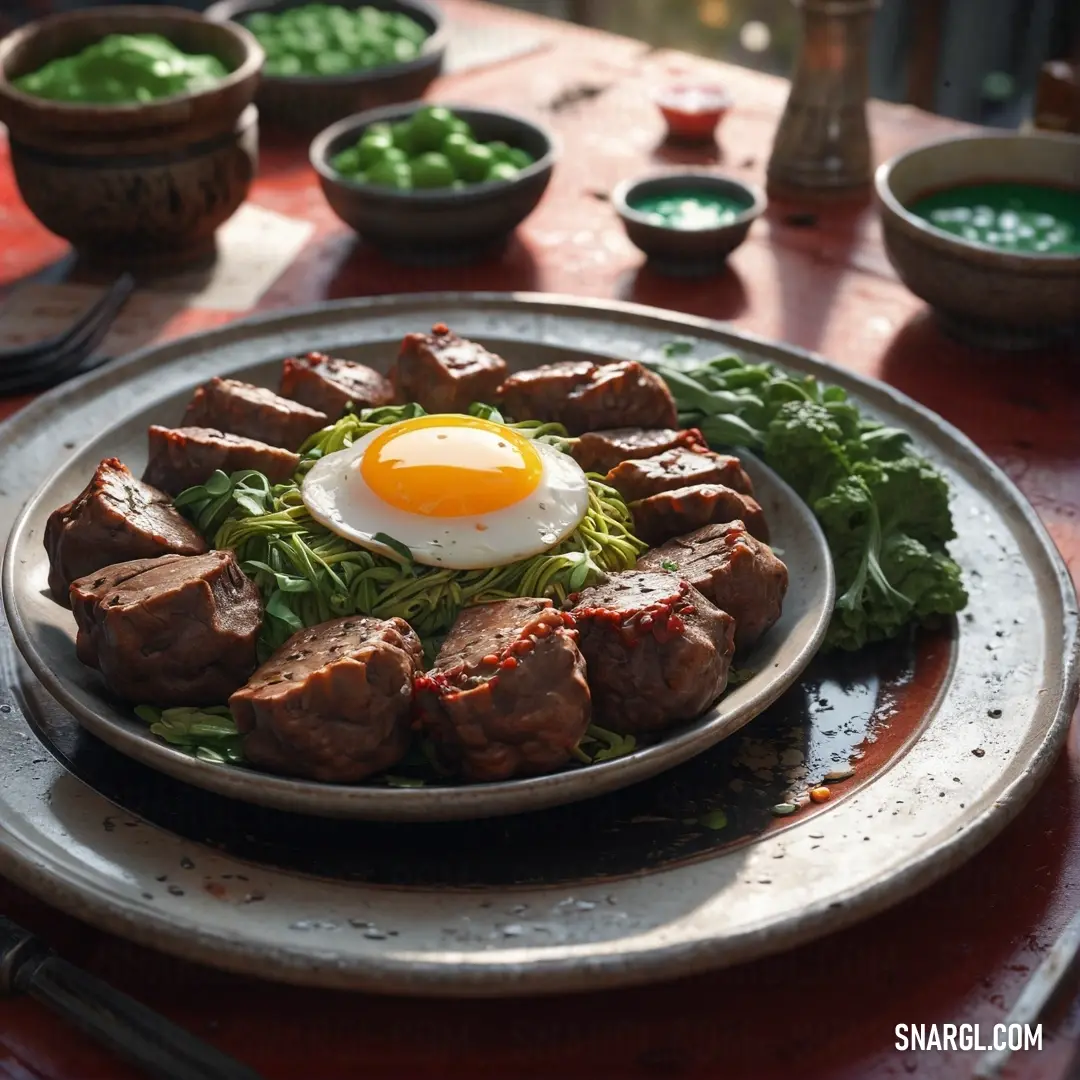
x=45, y=634
x=951, y=734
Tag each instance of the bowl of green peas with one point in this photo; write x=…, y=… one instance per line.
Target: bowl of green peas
x=326, y=61
x=433, y=184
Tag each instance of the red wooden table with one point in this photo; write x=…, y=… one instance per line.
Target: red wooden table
x=961, y=951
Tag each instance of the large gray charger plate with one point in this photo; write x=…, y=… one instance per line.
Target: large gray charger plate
x=624, y=888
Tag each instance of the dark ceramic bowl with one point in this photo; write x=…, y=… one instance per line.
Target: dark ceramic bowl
x=438, y=226
x=692, y=111
x=687, y=252
x=987, y=297
x=307, y=103
x=133, y=182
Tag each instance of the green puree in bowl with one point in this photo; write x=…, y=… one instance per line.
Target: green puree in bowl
x=123, y=69
x=1033, y=218
x=324, y=39
x=689, y=209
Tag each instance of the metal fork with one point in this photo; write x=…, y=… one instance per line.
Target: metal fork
x=1036, y=995
x=136, y=1033
x=46, y=363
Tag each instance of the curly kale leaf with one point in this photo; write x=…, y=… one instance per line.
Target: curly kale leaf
x=876, y=442
x=885, y=575
x=930, y=579
x=869, y=607
x=884, y=510
x=912, y=496
x=805, y=445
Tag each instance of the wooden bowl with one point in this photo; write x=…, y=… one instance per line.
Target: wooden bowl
x=985, y=296
x=687, y=252
x=308, y=103
x=438, y=226
x=134, y=181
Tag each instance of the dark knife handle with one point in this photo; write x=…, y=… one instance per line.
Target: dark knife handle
x=133, y=1031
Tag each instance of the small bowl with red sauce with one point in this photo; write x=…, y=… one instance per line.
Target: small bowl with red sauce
x=693, y=111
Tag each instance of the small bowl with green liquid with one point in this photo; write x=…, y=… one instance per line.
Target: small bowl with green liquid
x=986, y=230
x=688, y=223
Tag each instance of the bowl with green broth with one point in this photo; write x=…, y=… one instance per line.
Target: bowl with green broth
x=688, y=223
x=132, y=129
x=986, y=230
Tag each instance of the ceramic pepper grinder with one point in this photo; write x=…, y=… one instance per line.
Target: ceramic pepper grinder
x=823, y=144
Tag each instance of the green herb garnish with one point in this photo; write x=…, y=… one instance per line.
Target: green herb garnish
x=680, y=346
x=396, y=546
x=884, y=509
x=208, y=733
x=598, y=744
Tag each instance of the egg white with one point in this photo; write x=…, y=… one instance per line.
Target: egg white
x=336, y=495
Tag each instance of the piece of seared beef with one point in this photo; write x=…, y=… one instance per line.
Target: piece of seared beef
x=656, y=650
x=445, y=373
x=601, y=451
x=583, y=396
x=731, y=568
x=544, y=392
x=507, y=696
x=183, y=457
x=331, y=386
x=333, y=703
x=254, y=412
x=115, y=517
x=668, y=514
x=171, y=631
x=675, y=469
x=87, y=592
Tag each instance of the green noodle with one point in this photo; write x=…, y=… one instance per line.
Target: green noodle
x=308, y=574
x=349, y=428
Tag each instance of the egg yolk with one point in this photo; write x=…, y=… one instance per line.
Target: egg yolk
x=450, y=466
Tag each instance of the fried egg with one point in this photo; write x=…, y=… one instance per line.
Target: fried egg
x=459, y=492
